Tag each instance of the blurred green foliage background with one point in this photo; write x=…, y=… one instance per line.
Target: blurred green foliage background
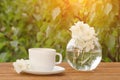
x=45, y=23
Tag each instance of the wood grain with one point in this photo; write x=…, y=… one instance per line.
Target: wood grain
x=105, y=71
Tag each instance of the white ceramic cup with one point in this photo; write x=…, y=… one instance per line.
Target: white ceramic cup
x=43, y=59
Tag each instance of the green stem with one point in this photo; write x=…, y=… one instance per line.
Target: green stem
x=82, y=58
x=84, y=61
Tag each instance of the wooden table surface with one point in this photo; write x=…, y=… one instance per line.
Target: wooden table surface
x=105, y=71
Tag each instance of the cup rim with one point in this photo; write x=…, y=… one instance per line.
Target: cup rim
x=47, y=49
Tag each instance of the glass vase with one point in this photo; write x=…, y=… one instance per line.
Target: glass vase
x=83, y=61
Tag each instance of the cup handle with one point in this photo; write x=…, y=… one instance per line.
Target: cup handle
x=60, y=58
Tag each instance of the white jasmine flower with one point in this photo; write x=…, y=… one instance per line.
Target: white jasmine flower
x=21, y=65
x=84, y=36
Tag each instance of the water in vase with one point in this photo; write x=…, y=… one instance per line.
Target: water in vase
x=83, y=61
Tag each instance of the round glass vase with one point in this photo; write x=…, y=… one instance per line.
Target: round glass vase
x=83, y=61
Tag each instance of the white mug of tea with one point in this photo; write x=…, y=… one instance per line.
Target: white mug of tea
x=43, y=59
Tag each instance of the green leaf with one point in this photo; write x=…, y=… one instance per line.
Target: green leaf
x=37, y=17
x=2, y=45
x=14, y=43
x=4, y=57
x=111, y=42
x=1, y=35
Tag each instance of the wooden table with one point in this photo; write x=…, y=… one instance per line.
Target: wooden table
x=105, y=71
